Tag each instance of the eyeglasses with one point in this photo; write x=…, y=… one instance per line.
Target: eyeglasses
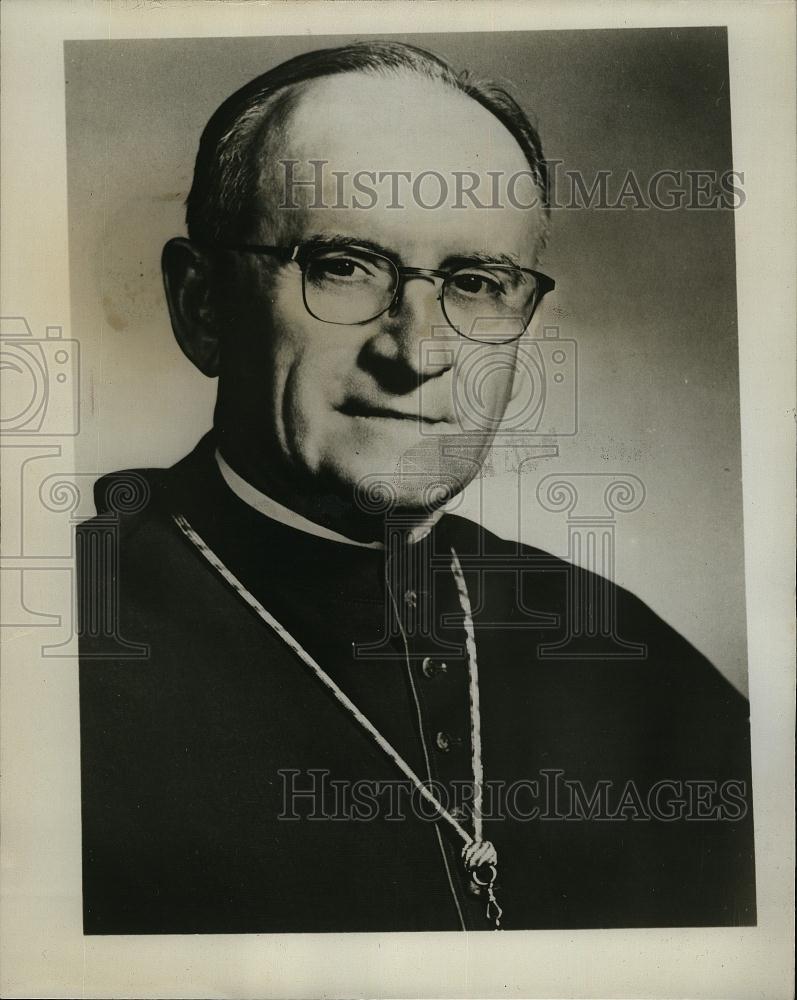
x=350, y=285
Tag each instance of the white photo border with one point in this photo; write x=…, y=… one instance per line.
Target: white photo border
x=44, y=951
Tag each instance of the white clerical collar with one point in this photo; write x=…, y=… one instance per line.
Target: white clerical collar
x=277, y=512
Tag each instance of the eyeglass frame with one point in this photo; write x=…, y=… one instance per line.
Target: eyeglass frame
x=297, y=251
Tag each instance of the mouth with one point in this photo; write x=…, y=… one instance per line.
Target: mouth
x=360, y=408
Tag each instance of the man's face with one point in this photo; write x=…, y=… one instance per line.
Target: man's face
x=320, y=406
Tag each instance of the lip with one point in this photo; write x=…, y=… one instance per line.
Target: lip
x=361, y=408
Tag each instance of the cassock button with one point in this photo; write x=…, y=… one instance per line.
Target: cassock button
x=431, y=668
x=446, y=742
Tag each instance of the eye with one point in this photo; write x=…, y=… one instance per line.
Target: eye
x=340, y=267
x=476, y=283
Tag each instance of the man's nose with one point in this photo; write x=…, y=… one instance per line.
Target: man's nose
x=414, y=328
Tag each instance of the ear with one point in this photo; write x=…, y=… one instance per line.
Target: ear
x=187, y=281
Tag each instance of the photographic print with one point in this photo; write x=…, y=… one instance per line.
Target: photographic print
x=394, y=501
x=398, y=278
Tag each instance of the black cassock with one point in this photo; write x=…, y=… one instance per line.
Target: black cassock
x=225, y=790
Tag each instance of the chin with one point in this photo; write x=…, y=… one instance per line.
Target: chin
x=380, y=482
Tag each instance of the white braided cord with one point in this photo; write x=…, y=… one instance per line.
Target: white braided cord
x=475, y=712
x=320, y=673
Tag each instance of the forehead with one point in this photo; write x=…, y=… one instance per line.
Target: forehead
x=410, y=139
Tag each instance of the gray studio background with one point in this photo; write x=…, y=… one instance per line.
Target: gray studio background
x=649, y=296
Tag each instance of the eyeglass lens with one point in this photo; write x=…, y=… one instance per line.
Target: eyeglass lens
x=482, y=302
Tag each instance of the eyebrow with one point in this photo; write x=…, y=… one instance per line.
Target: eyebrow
x=322, y=240
x=484, y=257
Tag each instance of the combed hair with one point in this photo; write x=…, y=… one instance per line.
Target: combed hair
x=227, y=169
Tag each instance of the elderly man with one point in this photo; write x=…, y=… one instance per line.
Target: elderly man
x=346, y=718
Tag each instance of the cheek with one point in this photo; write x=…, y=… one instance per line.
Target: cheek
x=483, y=384
x=310, y=362
x=280, y=366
